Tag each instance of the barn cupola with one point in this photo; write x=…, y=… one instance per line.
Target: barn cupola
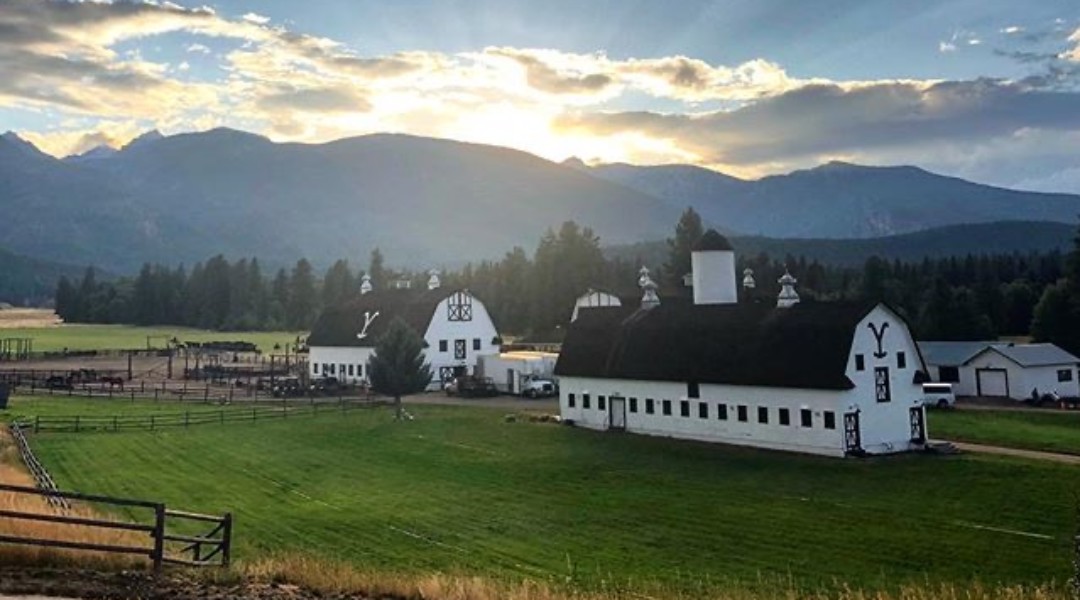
x=643, y=276
x=713, y=267
x=433, y=282
x=649, y=298
x=748, y=282
x=788, y=296
x=365, y=284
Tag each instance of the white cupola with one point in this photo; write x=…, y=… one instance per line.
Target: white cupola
x=748, y=282
x=649, y=298
x=713, y=269
x=365, y=284
x=788, y=296
x=433, y=282
x=643, y=276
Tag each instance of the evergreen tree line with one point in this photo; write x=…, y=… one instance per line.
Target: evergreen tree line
x=958, y=298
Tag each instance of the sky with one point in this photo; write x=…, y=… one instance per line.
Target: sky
x=987, y=90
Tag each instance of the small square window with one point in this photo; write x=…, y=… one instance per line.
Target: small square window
x=650, y=406
x=333, y=369
x=785, y=416
x=667, y=408
x=476, y=343
x=860, y=362
x=830, y=419
x=1064, y=375
x=742, y=413
x=806, y=418
x=350, y=370
x=901, y=360
x=762, y=414
x=633, y=405
x=570, y=400
x=693, y=390
x=359, y=370
x=601, y=403
x=442, y=346
x=684, y=408
x=585, y=403
x=315, y=368
x=703, y=410
x=721, y=412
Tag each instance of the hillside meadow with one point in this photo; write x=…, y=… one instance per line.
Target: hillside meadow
x=462, y=491
x=75, y=337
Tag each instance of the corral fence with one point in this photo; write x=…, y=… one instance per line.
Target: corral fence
x=191, y=418
x=209, y=548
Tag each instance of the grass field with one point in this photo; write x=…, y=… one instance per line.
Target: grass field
x=460, y=490
x=124, y=337
x=1055, y=431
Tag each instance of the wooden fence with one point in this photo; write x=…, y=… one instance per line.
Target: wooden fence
x=212, y=548
x=41, y=476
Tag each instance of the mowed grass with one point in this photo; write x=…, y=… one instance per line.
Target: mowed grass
x=1055, y=431
x=127, y=337
x=27, y=407
x=460, y=490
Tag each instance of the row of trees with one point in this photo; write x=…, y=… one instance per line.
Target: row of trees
x=971, y=297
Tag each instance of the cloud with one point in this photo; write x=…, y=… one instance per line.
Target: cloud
x=946, y=47
x=256, y=18
x=1011, y=29
x=200, y=48
x=1074, y=53
x=320, y=100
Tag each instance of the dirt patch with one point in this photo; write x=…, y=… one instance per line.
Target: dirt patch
x=1069, y=459
x=70, y=583
x=18, y=318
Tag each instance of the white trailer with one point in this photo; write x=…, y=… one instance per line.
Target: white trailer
x=512, y=371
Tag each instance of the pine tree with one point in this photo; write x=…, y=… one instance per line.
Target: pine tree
x=688, y=231
x=376, y=270
x=301, y=309
x=397, y=368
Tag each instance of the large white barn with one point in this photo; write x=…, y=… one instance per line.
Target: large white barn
x=824, y=378
x=455, y=325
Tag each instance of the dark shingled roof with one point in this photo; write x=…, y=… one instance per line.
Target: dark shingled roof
x=804, y=346
x=338, y=326
x=712, y=240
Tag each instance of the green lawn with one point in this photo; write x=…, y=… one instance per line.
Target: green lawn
x=1056, y=431
x=460, y=489
x=125, y=337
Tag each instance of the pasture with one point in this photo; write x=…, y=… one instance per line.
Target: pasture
x=126, y=337
x=461, y=490
x=1050, y=430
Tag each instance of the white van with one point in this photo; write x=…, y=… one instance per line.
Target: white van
x=938, y=395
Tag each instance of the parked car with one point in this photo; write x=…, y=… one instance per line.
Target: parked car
x=288, y=387
x=938, y=395
x=539, y=387
x=58, y=382
x=326, y=385
x=468, y=386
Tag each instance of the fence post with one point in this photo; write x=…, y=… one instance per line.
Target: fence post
x=76, y=423
x=226, y=539
x=158, y=554
x=114, y=423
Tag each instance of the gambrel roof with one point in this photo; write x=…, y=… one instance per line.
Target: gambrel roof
x=753, y=344
x=1033, y=355
x=338, y=326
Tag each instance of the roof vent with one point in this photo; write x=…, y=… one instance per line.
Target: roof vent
x=748, y=282
x=688, y=280
x=433, y=282
x=365, y=285
x=788, y=296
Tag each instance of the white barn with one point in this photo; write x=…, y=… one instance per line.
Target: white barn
x=594, y=298
x=833, y=379
x=456, y=327
x=1002, y=369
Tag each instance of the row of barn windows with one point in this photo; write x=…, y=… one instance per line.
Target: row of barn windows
x=445, y=344
x=860, y=361
x=338, y=369
x=742, y=411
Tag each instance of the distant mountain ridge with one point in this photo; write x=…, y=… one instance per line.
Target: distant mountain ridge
x=431, y=202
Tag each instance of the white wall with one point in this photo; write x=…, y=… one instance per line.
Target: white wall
x=495, y=366
x=341, y=358
x=593, y=298
x=1024, y=379
x=714, y=277
x=441, y=327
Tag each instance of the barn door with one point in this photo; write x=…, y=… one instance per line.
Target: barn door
x=459, y=349
x=852, y=438
x=882, y=391
x=918, y=424
x=446, y=374
x=617, y=412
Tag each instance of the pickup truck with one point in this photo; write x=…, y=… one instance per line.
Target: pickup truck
x=539, y=387
x=468, y=386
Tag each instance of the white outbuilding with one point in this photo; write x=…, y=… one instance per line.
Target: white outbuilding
x=1002, y=369
x=823, y=378
x=456, y=327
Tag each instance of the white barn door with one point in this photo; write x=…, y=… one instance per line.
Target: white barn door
x=992, y=382
x=617, y=408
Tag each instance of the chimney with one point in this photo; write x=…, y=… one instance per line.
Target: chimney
x=713, y=262
x=433, y=282
x=788, y=296
x=365, y=284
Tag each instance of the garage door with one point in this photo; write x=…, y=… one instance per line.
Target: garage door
x=993, y=382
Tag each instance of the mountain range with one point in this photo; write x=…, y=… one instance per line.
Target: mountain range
x=427, y=201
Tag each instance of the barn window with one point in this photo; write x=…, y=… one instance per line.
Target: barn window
x=332, y=367
x=703, y=410
x=763, y=414
x=315, y=368
x=806, y=418
x=901, y=360
x=949, y=374
x=742, y=413
x=1064, y=375
x=684, y=408
x=360, y=370
x=860, y=362
x=721, y=412
x=476, y=344
x=633, y=405
x=650, y=406
x=830, y=419
x=693, y=390
x=785, y=416
x=570, y=400
x=459, y=349
x=350, y=370
x=459, y=307
x=667, y=408
x=326, y=369
x=601, y=403
x=442, y=345
x=585, y=401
